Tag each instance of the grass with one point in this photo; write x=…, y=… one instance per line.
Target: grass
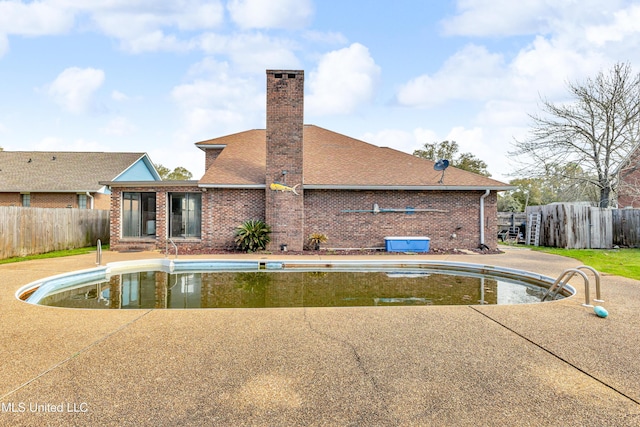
x=620, y=262
x=54, y=254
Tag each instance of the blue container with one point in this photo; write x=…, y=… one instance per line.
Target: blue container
x=407, y=244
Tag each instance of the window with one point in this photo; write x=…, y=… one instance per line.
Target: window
x=185, y=214
x=26, y=200
x=82, y=201
x=138, y=214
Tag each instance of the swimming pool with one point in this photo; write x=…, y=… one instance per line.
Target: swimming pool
x=164, y=283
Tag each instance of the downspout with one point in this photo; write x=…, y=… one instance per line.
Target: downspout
x=91, y=197
x=482, y=244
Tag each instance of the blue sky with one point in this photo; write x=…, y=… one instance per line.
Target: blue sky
x=158, y=76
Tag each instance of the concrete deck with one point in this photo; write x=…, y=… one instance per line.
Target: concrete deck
x=541, y=364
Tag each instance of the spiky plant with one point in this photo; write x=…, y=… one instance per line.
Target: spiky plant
x=252, y=235
x=315, y=239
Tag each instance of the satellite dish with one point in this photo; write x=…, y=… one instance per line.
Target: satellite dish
x=441, y=165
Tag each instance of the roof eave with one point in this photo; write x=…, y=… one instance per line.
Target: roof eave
x=253, y=186
x=409, y=187
x=168, y=183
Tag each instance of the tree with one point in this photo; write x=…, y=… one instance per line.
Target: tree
x=178, y=174
x=449, y=150
x=595, y=132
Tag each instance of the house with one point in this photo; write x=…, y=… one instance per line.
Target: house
x=629, y=181
x=57, y=179
x=302, y=179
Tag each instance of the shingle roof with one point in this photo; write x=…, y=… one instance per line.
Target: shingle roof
x=60, y=171
x=333, y=160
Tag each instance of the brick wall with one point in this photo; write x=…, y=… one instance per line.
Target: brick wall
x=54, y=200
x=285, y=114
x=323, y=214
x=10, y=199
x=210, y=155
x=225, y=209
x=629, y=188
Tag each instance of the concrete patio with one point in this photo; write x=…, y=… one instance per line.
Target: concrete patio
x=539, y=364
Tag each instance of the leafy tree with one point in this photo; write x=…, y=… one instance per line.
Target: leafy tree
x=449, y=150
x=178, y=174
x=594, y=133
x=508, y=203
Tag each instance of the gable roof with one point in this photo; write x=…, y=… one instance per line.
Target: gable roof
x=64, y=171
x=332, y=160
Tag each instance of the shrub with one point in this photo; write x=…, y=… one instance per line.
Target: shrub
x=315, y=239
x=252, y=235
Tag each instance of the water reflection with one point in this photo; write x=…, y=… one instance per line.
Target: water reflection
x=151, y=289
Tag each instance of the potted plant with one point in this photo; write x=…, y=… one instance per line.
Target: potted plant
x=252, y=235
x=315, y=239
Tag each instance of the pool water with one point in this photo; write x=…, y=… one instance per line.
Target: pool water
x=261, y=289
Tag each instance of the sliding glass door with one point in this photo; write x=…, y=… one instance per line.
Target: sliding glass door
x=138, y=214
x=185, y=214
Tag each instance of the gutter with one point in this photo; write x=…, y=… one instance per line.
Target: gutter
x=91, y=197
x=482, y=244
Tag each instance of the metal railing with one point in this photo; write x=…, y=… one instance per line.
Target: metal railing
x=166, y=248
x=567, y=275
x=98, y=252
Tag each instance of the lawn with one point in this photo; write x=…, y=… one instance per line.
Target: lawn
x=621, y=262
x=54, y=254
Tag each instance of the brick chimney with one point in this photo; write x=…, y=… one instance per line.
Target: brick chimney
x=284, y=210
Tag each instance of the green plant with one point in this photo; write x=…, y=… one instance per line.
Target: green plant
x=252, y=235
x=315, y=239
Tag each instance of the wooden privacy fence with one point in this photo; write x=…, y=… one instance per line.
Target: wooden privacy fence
x=576, y=226
x=28, y=231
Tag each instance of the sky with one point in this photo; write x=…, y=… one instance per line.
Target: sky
x=158, y=76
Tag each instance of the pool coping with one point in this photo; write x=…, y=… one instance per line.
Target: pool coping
x=32, y=292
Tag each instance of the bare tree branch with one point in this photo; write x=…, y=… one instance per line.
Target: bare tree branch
x=597, y=131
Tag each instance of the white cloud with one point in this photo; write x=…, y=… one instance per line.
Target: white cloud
x=74, y=88
x=625, y=23
x=271, y=14
x=118, y=126
x=140, y=25
x=218, y=102
x=525, y=17
x=34, y=18
x=498, y=17
x=392, y=138
x=330, y=37
x=251, y=52
x=51, y=143
x=344, y=80
x=471, y=73
x=116, y=95
x=545, y=65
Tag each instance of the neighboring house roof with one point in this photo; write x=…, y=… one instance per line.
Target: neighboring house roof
x=62, y=171
x=333, y=160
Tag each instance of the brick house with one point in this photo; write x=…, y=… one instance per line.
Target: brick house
x=629, y=181
x=57, y=179
x=353, y=192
